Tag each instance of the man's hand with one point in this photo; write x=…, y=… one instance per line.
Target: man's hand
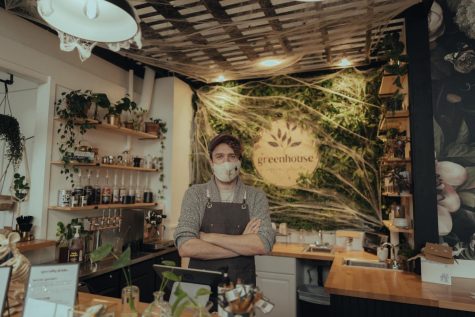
x=252, y=226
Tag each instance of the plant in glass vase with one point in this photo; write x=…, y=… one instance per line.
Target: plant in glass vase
x=130, y=293
x=159, y=307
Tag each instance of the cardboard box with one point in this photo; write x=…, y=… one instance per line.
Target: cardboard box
x=436, y=272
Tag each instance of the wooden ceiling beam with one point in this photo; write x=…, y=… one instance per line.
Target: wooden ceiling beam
x=268, y=9
x=219, y=13
x=173, y=16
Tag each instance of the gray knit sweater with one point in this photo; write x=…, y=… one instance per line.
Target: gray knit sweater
x=194, y=204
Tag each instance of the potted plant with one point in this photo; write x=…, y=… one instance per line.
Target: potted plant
x=136, y=119
x=156, y=126
x=112, y=116
x=10, y=132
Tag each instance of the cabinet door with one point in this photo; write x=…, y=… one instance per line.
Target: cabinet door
x=280, y=289
x=107, y=284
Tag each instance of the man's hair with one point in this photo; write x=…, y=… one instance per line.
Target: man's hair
x=228, y=139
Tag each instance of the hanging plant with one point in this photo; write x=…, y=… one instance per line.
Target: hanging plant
x=21, y=187
x=10, y=132
x=72, y=108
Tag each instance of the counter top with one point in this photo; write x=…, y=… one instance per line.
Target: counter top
x=88, y=271
x=381, y=284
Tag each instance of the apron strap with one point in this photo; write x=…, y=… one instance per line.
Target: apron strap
x=209, y=204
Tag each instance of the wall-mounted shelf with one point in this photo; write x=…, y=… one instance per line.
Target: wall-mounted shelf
x=93, y=207
x=395, y=161
x=36, y=244
x=398, y=114
x=115, y=129
x=110, y=166
x=397, y=194
x=393, y=228
x=121, y=130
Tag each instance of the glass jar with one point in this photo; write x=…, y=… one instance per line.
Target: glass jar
x=130, y=300
x=159, y=307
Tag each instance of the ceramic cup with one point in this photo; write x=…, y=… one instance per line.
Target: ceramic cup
x=382, y=253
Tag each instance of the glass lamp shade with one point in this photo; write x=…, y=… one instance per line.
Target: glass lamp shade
x=84, y=23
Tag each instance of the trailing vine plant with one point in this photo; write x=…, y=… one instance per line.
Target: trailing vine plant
x=162, y=131
x=72, y=108
x=10, y=132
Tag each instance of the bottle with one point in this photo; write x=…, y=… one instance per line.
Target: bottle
x=89, y=190
x=138, y=191
x=79, y=191
x=115, y=191
x=97, y=190
x=76, y=247
x=131, y=194
x=106, y=193
x=122, y=191
x=147, y=195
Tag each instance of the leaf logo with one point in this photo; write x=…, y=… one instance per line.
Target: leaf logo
x=283, y=139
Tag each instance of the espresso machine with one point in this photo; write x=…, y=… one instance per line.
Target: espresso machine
x=154, y=229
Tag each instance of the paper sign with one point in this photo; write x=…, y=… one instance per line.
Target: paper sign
x=4, y=280
x=40, y=308
x=51, y=284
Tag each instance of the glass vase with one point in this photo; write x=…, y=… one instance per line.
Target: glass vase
x=158, y=308
x=130, y=300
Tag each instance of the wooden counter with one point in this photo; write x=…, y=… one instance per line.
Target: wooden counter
x=386, y=285
x=36, y=244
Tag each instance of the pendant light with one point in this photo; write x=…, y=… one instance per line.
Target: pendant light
x=82, y=24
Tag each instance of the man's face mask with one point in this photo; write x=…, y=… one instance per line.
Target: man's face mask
x=227, y=171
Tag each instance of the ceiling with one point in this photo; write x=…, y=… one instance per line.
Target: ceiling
x=206, y=39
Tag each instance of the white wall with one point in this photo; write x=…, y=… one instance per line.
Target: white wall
x=172, y=102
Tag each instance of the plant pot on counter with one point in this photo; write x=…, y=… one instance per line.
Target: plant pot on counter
x=129, y=125
x=113, y=120
x=152, y=128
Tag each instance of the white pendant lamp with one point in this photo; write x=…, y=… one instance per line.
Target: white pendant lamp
x=82, y=24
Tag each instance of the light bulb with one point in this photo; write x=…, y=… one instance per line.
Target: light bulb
x=91, y=9
x=45, y=7
x=344, y=62
x=270, y=62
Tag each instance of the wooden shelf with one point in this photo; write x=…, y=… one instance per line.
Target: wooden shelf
x=93, y=207
x=121, y=130
x=35, y=245
x=393, y=228
x=398, y=114
x=395, y=161
x=396, y=195
x=111, y=166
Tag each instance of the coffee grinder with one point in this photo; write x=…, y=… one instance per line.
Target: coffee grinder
x=154, y=231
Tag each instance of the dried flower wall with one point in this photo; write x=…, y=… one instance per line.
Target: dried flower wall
x=342, y=112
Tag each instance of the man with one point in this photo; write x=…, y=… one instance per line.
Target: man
x=224, y=223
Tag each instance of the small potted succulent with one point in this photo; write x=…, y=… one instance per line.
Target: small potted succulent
x=156, y=126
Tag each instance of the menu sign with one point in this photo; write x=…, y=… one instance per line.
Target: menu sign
x=51, y=290
x=284, y=153
x=4, y=281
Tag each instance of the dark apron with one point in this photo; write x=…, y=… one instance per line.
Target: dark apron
x=227, y=218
